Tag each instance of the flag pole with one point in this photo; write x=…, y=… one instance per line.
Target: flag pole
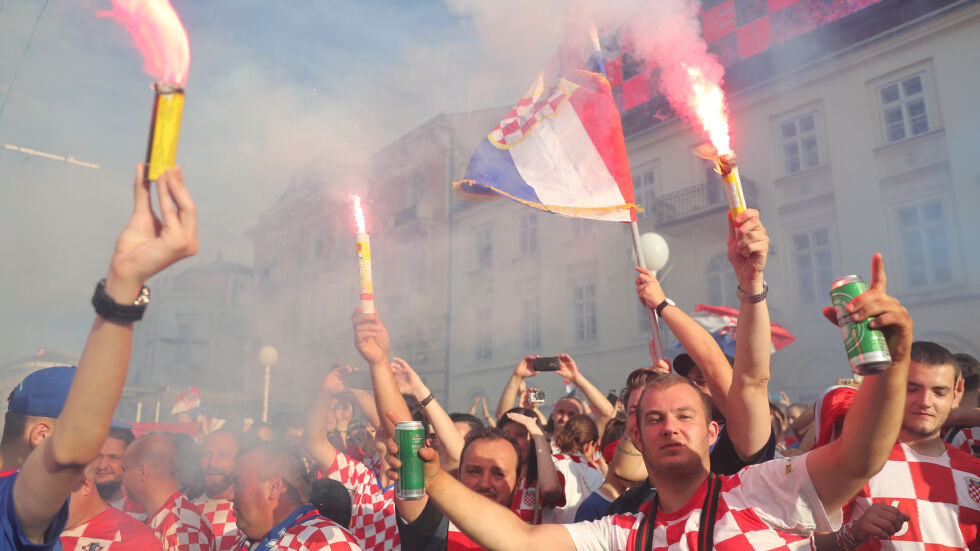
x=656, y=348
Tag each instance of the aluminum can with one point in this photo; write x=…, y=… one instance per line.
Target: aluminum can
x=410, y=438
x=168, y=108
x=867, y=350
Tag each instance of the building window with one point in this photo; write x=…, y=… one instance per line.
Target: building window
x=531, y=325
x=924, y=241
x=484, y=335
x=585, y=313
x=643, y=191
x=484, y=248
x=529, y=232
x=903, y=105
x=799, y=140
x=417, y=189
x=721, y=282
x=814, y=268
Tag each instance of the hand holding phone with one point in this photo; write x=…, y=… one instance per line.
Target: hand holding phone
x=549, y=363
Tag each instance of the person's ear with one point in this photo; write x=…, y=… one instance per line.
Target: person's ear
x=713, y=431
x=276, y=488
x=39, y=431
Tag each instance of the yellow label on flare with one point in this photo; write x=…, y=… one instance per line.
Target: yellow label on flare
x=168, y=109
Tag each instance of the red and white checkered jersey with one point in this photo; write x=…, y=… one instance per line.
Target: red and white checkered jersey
x=130, y=507
x=221, y=515
x=458, y=541
x=374, y=464
x=312, y=532
x=581, y=479
x=968, y=440
x=768, y=506
x=180, y=525
x=110, y=530
x=373, y=521
x=526, y=498
x=941, y=494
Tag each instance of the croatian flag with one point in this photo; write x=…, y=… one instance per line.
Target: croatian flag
x=561, y=148
x=720, y=322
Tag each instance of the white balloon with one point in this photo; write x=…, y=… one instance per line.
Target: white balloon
x=268, y=355
x=655, y=250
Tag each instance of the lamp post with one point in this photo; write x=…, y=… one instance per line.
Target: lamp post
x=268, y=356
x=655, y=253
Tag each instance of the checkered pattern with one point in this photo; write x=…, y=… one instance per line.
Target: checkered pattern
x=221, y=516
x=581, y=479
x=458, y=541
x=374, y=464
x=110, y=530
x=527, y=113
x=765, y=507
x=941, y=495
x=373, y=519
x=968, y=440
x=526, y=496
x=312, y=532
x=130, y=507
x=181, y=526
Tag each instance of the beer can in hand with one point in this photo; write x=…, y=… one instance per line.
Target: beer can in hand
x=867, y=350
x=410, y=438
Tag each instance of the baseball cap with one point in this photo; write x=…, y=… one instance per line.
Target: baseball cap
x=683, y=363
x=830, y=408
x=42, y=393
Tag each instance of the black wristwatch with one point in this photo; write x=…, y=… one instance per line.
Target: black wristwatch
x=660, y=307
x=110, y=310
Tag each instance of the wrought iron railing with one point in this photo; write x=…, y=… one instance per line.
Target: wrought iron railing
x=695, y=201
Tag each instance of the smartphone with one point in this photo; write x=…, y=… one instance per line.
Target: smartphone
x=551, y=363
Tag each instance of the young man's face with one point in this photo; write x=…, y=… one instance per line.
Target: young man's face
x=218, y=462
x=489, y=468
x=518, y=432
x=564, y=410
x=108, y=466
x=673, y=432
x=931, y=392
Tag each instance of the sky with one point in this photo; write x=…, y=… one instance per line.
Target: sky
x=275, y=89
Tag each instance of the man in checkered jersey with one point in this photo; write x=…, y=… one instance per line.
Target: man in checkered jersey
x=373, y=519
x=926, y=482
x=218, y=463
x=93, y=524
x=273, y=482
x=773, y=505
x=964, y=433
x=149, y=474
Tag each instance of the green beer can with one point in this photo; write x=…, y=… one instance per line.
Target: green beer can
x=867, y=350
x=410, y=438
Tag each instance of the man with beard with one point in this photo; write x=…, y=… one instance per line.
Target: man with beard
x=108, y=470
x=218, y=462
x=94, y=525
x=489, y=465
x=926, y=482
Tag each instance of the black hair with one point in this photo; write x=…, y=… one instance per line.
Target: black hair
x=471, y=420
x=491, y=433
x=532, y=460
x=124, y=434
x=930, y=353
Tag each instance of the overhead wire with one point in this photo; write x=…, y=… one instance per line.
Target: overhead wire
x=23, y=56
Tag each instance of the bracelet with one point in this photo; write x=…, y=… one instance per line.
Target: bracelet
x=845, y=537
x=753, y=299
x=425, y=401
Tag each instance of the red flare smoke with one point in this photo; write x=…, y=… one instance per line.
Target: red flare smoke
x=159, y=36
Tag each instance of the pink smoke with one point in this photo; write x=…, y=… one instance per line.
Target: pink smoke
x=159, y=36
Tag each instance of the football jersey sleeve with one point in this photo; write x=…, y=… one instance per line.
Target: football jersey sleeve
x=783, y=495
x=11, y=535
x=608, y=533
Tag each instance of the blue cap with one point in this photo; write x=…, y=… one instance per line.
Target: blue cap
x=42, y=393
x=118, y=423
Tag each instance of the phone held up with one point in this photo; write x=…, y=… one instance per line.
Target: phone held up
x=550, y=363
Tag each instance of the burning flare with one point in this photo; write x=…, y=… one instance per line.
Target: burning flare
x=159, y=36
x=709, y=104
x=358, y=214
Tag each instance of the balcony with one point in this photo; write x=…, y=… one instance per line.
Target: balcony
x=695, y=201
x=414, y=213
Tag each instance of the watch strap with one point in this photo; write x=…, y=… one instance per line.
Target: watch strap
x=110, y=310
x=660, y=307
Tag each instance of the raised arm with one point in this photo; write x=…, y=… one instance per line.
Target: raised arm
x=696, y=341
x=486, y=522
x=365, y=402
x=840, y=469
x=509, y=396
x=315, y=433
x=747, y=413
x=548, y=483
x=371, y=340
x=604, y=410
x=147, y=245
x=444, y=427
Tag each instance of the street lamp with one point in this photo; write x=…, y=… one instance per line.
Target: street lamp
x=268, y=356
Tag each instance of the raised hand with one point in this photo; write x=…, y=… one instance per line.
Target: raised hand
x=748, y=247
x=338, y=380
x=148, y=243
x=648, y=288
x=370, y=337
x=525, y=368
x=527, y=422
x=569, y=369
x=406, y=377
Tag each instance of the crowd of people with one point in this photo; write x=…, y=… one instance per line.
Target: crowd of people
x=692, y=454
